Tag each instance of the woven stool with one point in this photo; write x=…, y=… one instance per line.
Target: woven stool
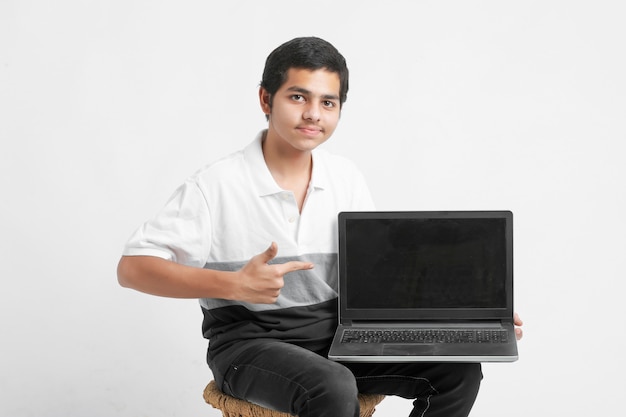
x=233, y=407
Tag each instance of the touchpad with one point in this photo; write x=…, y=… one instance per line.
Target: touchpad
x=409, y=350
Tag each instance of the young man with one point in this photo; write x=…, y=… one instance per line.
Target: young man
x=270, y=312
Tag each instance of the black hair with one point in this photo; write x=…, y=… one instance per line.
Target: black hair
x=306, y=53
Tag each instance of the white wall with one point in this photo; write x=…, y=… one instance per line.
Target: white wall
x=106, y=106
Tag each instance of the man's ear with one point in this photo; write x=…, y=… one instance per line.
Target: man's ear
x=265, y=100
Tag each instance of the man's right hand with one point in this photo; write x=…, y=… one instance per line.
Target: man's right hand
x=260, y=282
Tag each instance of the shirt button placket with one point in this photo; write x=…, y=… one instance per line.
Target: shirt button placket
x=290, y=210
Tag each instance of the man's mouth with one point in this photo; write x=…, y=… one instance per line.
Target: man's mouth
x=310, y=130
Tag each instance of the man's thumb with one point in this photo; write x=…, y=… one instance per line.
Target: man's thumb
x=270, y=253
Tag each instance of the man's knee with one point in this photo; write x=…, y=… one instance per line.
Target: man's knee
x=335, y=392
x=465, y=383
x=472, y=376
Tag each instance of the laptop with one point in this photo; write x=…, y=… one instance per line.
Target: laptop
x=425, y=286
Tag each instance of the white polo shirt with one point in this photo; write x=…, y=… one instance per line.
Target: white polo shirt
x=232, y=209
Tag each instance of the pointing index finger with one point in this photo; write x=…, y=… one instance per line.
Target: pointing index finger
x=293, y=266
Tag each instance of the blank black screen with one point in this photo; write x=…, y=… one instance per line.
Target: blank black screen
x=425, y=263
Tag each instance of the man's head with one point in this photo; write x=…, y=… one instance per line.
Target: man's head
x=309, y=53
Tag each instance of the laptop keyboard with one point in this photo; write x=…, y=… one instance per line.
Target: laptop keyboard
x=425, y=336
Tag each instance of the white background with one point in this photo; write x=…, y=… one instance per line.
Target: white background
x=106, y=106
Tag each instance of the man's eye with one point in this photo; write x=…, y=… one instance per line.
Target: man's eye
x=297, y=97
x=328, y=103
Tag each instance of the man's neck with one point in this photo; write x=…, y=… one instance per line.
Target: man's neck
x=284, y=160
x=291, y=168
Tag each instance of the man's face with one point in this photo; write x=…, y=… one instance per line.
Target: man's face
x=305, y=110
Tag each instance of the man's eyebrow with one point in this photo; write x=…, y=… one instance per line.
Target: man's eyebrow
x=304, y=91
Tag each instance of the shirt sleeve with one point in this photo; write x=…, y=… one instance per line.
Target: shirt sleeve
x=180, y=232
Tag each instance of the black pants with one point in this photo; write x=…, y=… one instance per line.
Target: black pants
x=291, y=379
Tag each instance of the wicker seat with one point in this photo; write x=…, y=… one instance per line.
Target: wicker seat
x=233, y=407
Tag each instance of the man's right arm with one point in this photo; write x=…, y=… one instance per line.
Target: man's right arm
x=256, y=282
x=161, y=277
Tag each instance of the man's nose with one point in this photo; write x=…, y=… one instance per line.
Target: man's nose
x=312, y=112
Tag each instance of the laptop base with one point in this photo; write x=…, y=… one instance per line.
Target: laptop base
x=423, y=351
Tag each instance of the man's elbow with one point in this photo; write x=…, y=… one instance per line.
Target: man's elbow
x=124, y=272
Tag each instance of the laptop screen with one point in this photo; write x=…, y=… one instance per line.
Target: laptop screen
x=399, y=263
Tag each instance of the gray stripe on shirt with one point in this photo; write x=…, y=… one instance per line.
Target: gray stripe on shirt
x=301, y=287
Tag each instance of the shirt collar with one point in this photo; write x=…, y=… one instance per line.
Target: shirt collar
x=319, y=176
x=262, y=177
